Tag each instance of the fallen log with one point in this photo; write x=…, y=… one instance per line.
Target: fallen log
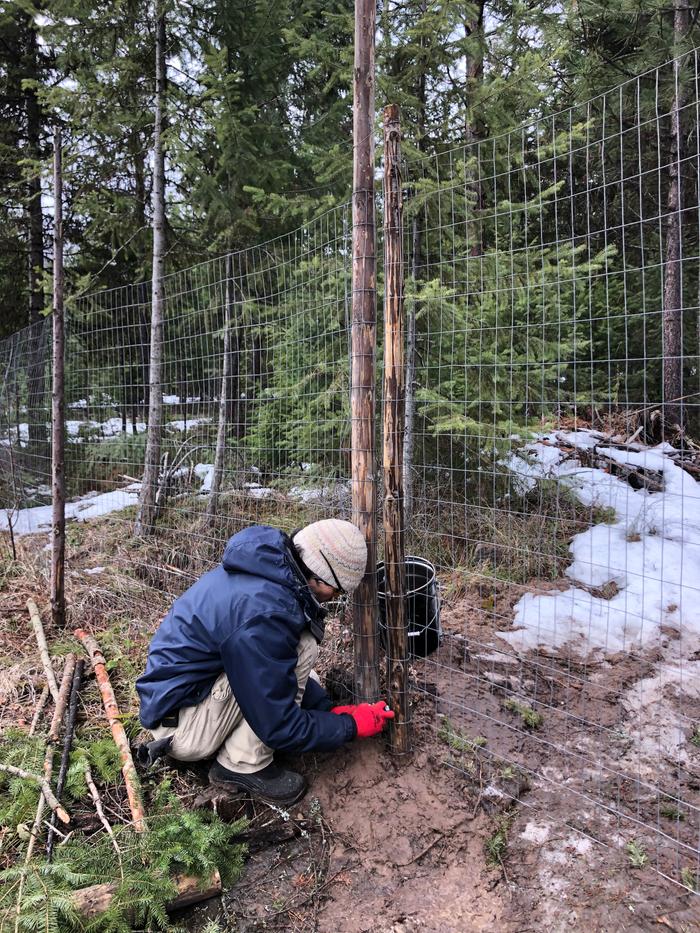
x=97, y=899
x=638, y=477
x=43, y=648
x=118, y=733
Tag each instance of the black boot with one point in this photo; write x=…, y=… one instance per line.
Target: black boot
x=273, y=784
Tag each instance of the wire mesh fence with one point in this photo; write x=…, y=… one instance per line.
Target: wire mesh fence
x=554, y=302
x=255, y=342
x=552, y=283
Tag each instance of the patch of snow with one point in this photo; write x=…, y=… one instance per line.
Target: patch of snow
x=581, y=845
x=536, y=832
x=581, y=439
x=332, y=492
x=205, y=472
x=39, y=518
x=93, y=570
x=256, y=491
x=658, y=731
x=651, y=553
x=171, y=399
x=181, y=425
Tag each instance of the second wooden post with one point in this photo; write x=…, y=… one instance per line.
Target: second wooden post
x=364, y=345
x=394, y=415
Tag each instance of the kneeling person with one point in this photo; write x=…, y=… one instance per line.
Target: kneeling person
x=230, y=668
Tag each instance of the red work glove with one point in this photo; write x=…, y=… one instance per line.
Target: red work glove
x=369, y=717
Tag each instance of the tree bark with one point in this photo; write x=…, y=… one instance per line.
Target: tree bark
x=394, y=563
x=58, y=481
x=224, y=408
x=118, y=733
x=410, y=384
x=37, y=451
x=148, y=508
x=411, y=342
x=364, y=342
x=97, y=899
x=673, y=292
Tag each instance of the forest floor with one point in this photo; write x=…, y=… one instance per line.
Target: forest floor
x=492, y=822
x=457, y=836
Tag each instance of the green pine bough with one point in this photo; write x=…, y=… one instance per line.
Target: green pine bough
x=179, y=842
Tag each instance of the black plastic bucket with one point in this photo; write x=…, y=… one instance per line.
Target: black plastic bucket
x=422, y=606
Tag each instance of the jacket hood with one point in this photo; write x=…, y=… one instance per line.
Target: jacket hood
x=264, y=552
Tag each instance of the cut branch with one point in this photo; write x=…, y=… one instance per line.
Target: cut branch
x=39, y=709
x=67, y=745
x=45, y=788
x=96, y=799
x=112, y=710
x=43, y=648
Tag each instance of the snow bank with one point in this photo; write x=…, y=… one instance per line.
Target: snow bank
x=651, y=552
x=94, y=505
x=181, y=425
x=78, y=428
x=205, y=472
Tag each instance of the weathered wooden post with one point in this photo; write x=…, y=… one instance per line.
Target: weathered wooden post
x=364, y=342
x=394, y=416
x=672, y=318
x=58, y=481
x=148, y=507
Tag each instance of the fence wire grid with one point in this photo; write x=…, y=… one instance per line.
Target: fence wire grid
x=552, y=283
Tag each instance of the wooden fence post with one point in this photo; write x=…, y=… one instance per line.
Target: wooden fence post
x=58, y=481
x=394, y=416
x=364, y=344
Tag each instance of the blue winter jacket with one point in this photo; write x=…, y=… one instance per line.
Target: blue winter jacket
x=245, y=618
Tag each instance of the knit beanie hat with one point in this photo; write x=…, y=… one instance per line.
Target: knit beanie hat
x=333, y=550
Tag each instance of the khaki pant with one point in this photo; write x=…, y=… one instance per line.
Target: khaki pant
x=216, y=725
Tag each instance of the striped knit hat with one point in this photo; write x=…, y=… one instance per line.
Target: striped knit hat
x=334, y=551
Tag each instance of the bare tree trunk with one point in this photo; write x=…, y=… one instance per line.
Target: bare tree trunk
x=410, y=404
x=58, y=481
x=673, y=293
x=394, y=563
x=411, y=345
x=474, y=72
x=37, y=452
x=364, y=342
x=220, y=453
x=145, y=523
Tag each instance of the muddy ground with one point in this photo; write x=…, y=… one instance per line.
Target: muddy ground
x=489, y=824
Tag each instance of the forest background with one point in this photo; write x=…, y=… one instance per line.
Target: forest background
x=258, y=132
